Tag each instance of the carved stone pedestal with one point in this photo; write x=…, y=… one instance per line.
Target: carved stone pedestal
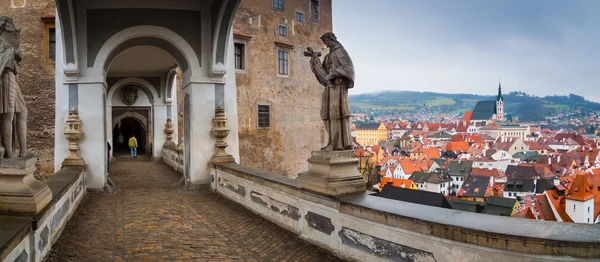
x=20, y=192
x=333, y=173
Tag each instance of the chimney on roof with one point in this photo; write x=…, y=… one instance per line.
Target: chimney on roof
x=491, y=181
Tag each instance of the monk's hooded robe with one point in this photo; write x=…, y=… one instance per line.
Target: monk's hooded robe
x=335, y=105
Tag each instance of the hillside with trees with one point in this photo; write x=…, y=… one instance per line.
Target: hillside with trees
x=525, y=106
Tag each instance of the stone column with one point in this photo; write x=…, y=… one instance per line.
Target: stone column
x=93, y=148
x=199, y=108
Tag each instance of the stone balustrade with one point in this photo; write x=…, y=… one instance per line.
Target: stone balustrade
x=30, y=237
x=173, y=156
x=368, y=228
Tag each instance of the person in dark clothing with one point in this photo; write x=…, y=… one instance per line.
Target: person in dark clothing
x=108, y=156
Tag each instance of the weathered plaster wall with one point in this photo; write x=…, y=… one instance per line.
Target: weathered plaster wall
x=37, y=78
x=296, y=128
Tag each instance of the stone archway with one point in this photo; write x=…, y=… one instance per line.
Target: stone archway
x=202, y=49
x=144, y=136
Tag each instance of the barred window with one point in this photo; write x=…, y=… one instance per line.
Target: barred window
x=52, y=44
x=283, y=30
x=315, y=10
x=283, y=62
x=239, y=50
x=264, y=116
x=278, y=4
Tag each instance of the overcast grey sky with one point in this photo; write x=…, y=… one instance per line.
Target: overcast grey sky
x=462, y=46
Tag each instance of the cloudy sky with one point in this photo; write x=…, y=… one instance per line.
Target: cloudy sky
x=463, y=46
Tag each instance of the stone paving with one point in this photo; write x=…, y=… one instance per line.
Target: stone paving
x=148, y=218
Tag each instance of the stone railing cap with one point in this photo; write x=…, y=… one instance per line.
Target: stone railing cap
x=528, y=228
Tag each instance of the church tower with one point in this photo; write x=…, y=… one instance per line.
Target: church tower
x=499, y=104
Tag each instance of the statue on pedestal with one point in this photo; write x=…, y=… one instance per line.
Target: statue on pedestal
x=12, y=104
x=334, y=169
x=20, y=192
x=336, y=73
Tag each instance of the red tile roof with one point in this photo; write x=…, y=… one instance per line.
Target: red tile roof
x=453, y=146
x=468, y=115
x=581, y=190
x=542, y=205
x=525, y=213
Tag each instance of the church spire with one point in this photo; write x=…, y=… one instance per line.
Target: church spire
x=499, y=97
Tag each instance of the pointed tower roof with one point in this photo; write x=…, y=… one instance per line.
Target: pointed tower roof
x=499, y=97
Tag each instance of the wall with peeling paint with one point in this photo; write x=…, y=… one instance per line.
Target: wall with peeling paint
x=357, y=230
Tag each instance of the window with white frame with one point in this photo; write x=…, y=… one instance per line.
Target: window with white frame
x=283, y=61
x=278, y=4
x=240, y=56
x=299, y=17
x=283, y=30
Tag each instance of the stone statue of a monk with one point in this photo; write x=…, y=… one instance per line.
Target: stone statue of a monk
x=12, y=103
x=336, y=73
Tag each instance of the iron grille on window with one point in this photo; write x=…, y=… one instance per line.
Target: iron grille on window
x=239, y=55
x=315, y=10
x=52, y=43
x=283, y=62
x=299, y=17
x=283, y=30
x=278, y=4
x=264, y=116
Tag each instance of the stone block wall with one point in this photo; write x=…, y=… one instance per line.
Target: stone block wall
x=37, y=76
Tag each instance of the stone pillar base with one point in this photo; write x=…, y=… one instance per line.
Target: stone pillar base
x=20, y=192
x=334, y=173
x=222, y=158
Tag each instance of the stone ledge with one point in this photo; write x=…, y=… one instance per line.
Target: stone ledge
x=12, y=231
x=15, y=229
x=276, y=182
x=506, y=233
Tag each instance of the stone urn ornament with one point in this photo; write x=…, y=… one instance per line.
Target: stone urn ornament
x=74, y=134
x=220, y=132
x=169, y=131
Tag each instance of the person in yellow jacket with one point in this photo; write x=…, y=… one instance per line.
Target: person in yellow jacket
x=133, y=146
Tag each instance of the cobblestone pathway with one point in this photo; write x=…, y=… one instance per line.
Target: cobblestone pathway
x=147, y=218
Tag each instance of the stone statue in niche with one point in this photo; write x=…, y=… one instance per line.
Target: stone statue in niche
x=12, y=104
x=129, y=94
x=336, y=73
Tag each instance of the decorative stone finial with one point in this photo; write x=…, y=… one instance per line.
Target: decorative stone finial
x=169, y=131
x=220, y=131
x=74, y=134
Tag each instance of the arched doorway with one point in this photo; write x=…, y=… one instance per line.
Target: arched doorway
x=92, y=62
x=123, y=130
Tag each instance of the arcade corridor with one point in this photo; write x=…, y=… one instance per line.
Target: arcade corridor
x=148, y=218
x=128, y=127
